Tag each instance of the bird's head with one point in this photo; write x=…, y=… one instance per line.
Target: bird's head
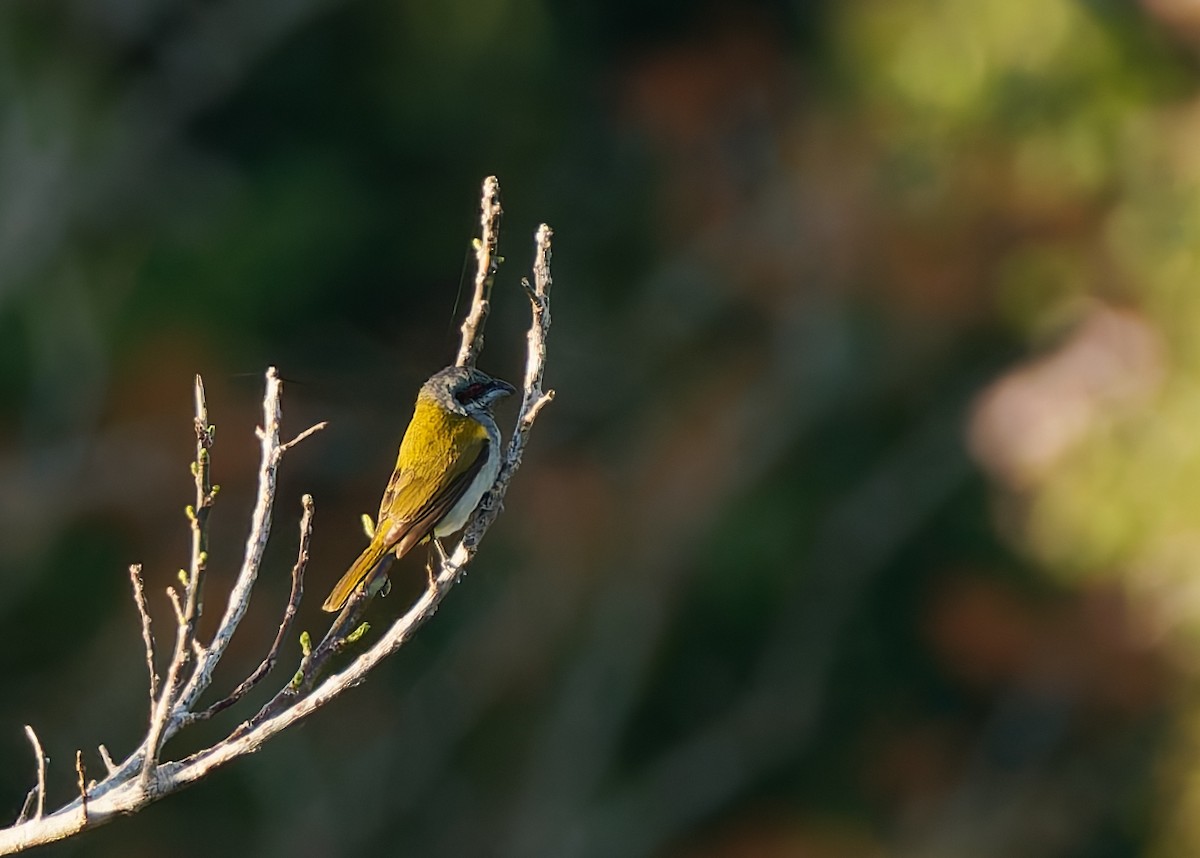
x=466, y=390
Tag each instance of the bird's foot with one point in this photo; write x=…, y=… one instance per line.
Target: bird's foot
x=442, y=560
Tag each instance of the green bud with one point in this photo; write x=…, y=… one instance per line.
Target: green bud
x=190, y=512
x=305, y=643
x=183, y=577
x=368, y=525
x=358, y=633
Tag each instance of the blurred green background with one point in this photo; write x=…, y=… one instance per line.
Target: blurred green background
x=867, y=520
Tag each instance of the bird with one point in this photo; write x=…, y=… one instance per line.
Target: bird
x=449, y=457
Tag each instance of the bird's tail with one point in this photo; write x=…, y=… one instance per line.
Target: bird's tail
x=355, y=575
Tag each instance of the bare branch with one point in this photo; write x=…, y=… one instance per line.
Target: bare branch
x=486, y=261
x=27, y=805
x=185, y=636
x=41, y=771
x=256, y=543
x=81, y=775
x=176, y=604
x=534, y=398
x=545, y=399
x=311, y=430
x=107, y=758
x=139, y=599
x=312, y=665
x=293, y=603
x=205, y=495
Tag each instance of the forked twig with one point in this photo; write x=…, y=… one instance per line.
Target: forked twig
x=187, y=614
x=289, y=614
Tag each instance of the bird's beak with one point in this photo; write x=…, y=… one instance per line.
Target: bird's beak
x=499, y=389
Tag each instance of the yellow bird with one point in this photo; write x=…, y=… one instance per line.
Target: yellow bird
x=449, y=456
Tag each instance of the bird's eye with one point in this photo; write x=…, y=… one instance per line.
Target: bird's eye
x=469, y=393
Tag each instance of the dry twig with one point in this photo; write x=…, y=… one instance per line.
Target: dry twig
x=289, y=614
x=81, y=780
x=486, y=263
x=139, y=600
x=40, y=807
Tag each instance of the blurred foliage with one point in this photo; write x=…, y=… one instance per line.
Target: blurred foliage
x=864, y=524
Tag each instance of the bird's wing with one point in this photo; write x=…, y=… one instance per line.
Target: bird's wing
x=428, y=508
x=357, y=572
x=401, y=534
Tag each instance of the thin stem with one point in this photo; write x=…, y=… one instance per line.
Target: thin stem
x=486, y=262
x=256, y=543
x=185, y=637
x=40, y=808
x=139, y=599
x=289, y=614
x=81, y=779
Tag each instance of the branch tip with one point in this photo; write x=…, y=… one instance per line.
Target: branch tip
x=41, y=771
x=107, y=759
x=311, y=430
x=175, y=603
x=486, y=262
x=81, y=775
x=27, y=805
x=139, y=599
x=201, y=404
x=289, y=614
